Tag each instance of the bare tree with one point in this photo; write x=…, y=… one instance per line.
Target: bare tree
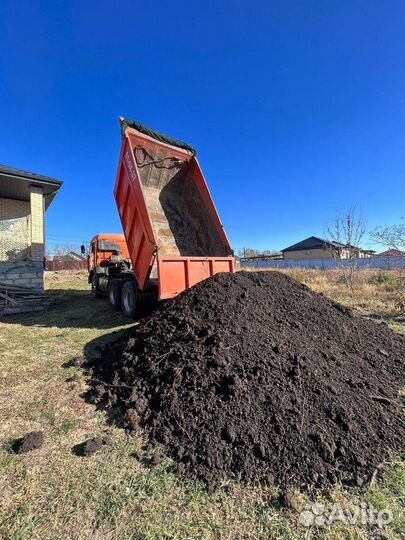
x=62, y=250
x=346, y=234
x=392, y=236
x=247, y=252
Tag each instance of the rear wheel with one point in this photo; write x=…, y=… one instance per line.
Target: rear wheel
x=95, y=288
x=129, y=299
x=114, y=294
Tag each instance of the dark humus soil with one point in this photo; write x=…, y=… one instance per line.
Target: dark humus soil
x=30, y=441
x=254, y=377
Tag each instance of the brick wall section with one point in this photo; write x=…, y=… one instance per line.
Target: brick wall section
x=29, y=271
x=26, y=273
x=11, y=209
x=37, y=225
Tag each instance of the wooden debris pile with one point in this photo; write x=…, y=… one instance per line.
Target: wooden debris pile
x=19, y=299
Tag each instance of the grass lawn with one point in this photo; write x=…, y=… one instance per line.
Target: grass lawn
x=51, y=493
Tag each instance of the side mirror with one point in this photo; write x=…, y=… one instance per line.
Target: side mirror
x=82, y=249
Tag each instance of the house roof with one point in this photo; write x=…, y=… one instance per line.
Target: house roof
x=16, y=184
x=313, y=242
x=390, y=253
x=75, y=255
x=69, y=257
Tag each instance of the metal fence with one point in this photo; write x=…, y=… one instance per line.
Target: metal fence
x=65, y=265
x=382, y=263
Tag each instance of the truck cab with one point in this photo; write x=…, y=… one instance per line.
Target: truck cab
x=108, y=256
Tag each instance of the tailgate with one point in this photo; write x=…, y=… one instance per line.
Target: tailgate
x=177, y=274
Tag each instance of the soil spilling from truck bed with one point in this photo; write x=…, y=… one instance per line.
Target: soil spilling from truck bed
x=255, y=377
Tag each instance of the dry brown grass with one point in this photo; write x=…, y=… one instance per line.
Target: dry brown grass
x=53, y=494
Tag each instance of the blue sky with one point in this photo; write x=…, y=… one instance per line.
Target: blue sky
x=296, y=107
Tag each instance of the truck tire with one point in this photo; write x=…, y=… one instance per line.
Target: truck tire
x=95, y=289
x=129, y=299
x=114, y=294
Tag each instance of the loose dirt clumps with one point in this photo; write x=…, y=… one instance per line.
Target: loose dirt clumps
x=30, y=441
x=90, y=446
x=254, y=377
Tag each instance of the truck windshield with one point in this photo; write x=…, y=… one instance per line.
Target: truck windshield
x=108, y=246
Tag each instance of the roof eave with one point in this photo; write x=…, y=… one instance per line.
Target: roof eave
x=23, y=180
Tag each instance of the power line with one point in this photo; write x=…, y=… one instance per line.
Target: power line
x=65, y=236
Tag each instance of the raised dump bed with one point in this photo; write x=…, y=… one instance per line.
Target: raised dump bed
x=167, y=213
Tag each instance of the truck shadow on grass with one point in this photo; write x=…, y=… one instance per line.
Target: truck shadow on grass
x=71, y=309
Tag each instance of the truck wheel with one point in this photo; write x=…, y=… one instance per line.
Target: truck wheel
x=95, y=289
x=114, y=294
x=129, y=299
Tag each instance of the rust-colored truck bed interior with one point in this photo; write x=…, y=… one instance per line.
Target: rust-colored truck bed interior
x=179, y=216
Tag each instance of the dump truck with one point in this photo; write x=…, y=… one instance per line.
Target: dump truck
x=173, y=237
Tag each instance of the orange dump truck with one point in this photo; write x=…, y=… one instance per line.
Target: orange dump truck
x=173, y=237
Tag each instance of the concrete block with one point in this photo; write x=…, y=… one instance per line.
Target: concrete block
x=37, y=281
x=6, y=281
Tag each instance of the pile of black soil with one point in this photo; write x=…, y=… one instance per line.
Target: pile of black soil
x=30, y=441
x=254, y=377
